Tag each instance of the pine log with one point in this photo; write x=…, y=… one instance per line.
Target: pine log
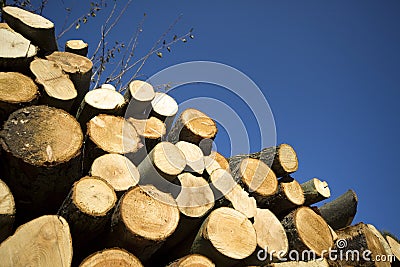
x=16, y=52
x=7, y=211
x=79, y=69
x=228, y=193
x=353, y=243
x=306, y=230
x=99, y=101
x=195, y=127
x=117, y=170
x=144, y=218
x=165, y=108
x=16, y=91
x=289, y=195
x=59, y=91
x=214, y=161
x=32, y=26
x=109, y=134
x=111, y=257
x=281, y=159
x=139, y=95
x=42, y=151
x=395, y=249
x=194, y=157
x=225, y=237
x=340, y=212
x=192, y=260
x=315, y=191
x=162, y=166
x=78, y=47
x=272, y=242
x=45, y=241
x=313, y=263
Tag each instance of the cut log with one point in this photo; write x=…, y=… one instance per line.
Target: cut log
x=111, y=257
x=45, y=241
x=194, y=157
x=108, y=86
x=306, y=230
x=16, y=52
x=225, y=237
x=395, y=248
x=7, y=211
x=117, y=170
x=32, y=26
x=359, y=247
x=289, y=196
x=78, y=47
x=162, y=166
x=16, y=91
x=42, y=146
x=109, y=134
x=214, y=161
x=59, y=91
x=340, y=212
x=139, y=95
x=192, y=260
x=315, y=191
x=281, y=159
x=144, y=218
x=313, y=263
x=195, y=127
x=165, y=108
x=271, y=239
x=384, y=243
x=99, y=101
x=79, y=69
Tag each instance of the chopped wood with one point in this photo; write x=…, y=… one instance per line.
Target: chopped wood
x=315, y=191
x=395, y=248
x=194, y=157
x=44, y=241
x=384, y=243
x=32, y=26
x=165, y=108
x=78, y=47
x=7, y=211
x=111, y=257
x=192, y=260
x=151, y=130
x=340, y=212
x=214, y=161
x=140, y=94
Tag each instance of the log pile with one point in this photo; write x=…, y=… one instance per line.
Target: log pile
x=81, y=185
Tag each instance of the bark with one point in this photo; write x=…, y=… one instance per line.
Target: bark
x=7, y=211
x=111, y=257
x=192, y=260
x=78, y=47
x=165, y=108
x=139, y=95
x=315, y=191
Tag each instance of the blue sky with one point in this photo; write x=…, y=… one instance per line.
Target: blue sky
x=328, y=69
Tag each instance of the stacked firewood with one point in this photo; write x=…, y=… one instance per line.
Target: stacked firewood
x=96, y=178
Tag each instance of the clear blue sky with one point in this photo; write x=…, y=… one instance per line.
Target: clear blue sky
x=329, y=70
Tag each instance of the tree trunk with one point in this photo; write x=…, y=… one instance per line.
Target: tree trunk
x=225, y=237
x=395, y=248
x=165, y=108
x=192, y=260
x=340, y=212
x=111, y=257
x=42, y=151
x=315, y=191
x=79, y=69
x=108, y=134
x=32, y=26
x=59, y=91
x=353, y=243
x=7, y=211
x=78, y=47
x=214, y=161
x=144, y=218
x=306, y=230
x=281, y=159
x=194, y=157
x=45, y=241
x=117, y=170
x=99, y=101
x=195, y=127
x=139, y=96
x=16, y=52
x=16, y=91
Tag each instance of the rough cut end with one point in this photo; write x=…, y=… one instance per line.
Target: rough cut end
x=141, y=91
x=151, y=128
x=17, y=88
x=288, y=158
x=258, y=177
x=76, y=44
x=322, y=188
x=28, y=18
x=394, y=246
x=164, y=105
x=147, y=213
x=223, y=181
x=241, y=201
x=7, y=204
x=231, y=233
x=194, y=156
x=215, y=161
x=313, y=230
x=71, y=63
x=42, y=135
x=93, y=196
x=117, y=170
x=168, y=158
x=111, y=257
x=293, y=192
x=104, y=99
x=113, y=134
x=199, y=123
x=193, y=260
x=13, y=45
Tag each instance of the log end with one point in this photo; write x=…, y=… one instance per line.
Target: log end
x=192, y=260
x=168, y=158
x=194, y=156
x=288, y=158
x=111, y=257
x=199, y=123
x=16, y=88
x=104, y=99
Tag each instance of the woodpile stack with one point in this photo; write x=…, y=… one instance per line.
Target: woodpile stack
x=82, y=185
